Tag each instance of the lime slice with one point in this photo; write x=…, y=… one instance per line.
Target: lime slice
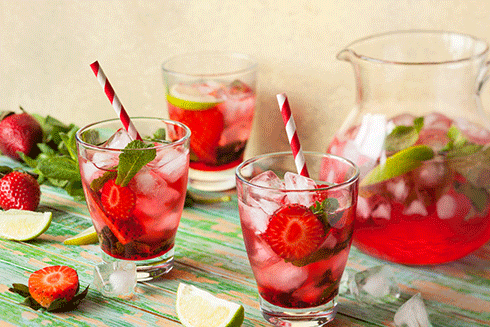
x=188, y=97
x=88, y=236
x=198, y=308
x=398, y=164
x=23, y=225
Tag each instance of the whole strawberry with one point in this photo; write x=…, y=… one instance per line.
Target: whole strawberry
x=19, y=190
x=19, y=132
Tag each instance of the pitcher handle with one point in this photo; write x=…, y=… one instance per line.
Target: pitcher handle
x=483, y=77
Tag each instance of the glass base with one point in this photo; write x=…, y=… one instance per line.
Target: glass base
x=212, y=180
x=150, y=269
x=308, y=317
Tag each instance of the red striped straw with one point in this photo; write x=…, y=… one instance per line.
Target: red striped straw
x=288, y=119
x=116, y=104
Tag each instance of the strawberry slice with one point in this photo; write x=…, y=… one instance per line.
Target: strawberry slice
x=294, y=232
x=53, y=282
x=118, y=203
x=206, y=127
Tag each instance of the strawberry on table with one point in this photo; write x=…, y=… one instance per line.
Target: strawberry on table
x=53, y=282
x=19, y=132
x=294, y=232
x=19, y=190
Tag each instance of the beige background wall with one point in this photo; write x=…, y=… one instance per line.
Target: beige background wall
x=46, y=48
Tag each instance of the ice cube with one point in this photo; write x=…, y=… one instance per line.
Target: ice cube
x=115, y=279
x=363, y=209
x=294, y=181
x=173, y=164
x=416, y=207
x=267, y=199
x=282, y=277
x=371, y=136
x=412, y=313
x=399, y=188
x=446, y=207
x=118, y=140
x=268, y=179
x=375, y=285
x=344, y=283
x=255, y=218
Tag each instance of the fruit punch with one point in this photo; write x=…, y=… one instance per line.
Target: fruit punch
x=220, y=118
x=135, y=192
x=424, y=187
x=298, y=236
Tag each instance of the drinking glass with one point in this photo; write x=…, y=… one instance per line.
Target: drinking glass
x=135, y=189
x=297, y=232
x=214, y=94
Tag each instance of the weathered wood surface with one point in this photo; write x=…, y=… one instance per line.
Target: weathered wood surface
x=210, y=254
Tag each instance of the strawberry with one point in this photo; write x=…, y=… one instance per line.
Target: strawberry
x=53, y=282
x=19, y=190
x=294, y=232
x=118, y=201
x=206, y=127
x=19, y=133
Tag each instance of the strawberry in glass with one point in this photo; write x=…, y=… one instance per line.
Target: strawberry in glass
x=297, y=232
x=425, y=195
x=135, y=189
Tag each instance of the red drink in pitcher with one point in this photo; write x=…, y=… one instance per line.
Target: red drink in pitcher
x=425, y=198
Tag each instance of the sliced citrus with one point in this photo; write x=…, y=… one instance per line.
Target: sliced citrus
x=398, y=164
x=23, y=225
x=87, y=236
x=188, y=97
x=198, y=308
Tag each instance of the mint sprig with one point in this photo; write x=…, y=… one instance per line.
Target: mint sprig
x=132, y=159
x=402, y=137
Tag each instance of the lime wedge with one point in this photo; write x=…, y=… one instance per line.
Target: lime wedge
x=88, y=236
x=188, y=97
x=398, y=164
x=198, y=308
x=23, y=225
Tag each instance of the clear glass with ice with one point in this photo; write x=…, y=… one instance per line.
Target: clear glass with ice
x=135, y=189
x=214, y=94
x=420, y=137
x=297, y=232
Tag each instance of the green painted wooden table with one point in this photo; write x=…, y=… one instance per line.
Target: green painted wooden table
x=210, y=254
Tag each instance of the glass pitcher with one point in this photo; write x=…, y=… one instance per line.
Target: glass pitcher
x=421, y=138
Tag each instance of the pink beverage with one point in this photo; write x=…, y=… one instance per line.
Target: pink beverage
x=135, y=190
x=297, y=232
x=426, y=210
x=220, y=118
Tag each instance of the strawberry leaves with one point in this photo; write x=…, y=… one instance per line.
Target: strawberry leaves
x=59, y=305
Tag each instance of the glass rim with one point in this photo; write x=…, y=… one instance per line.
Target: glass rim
x=420, y=32
x=111, y=120
x=196, y=54
x=351, y=180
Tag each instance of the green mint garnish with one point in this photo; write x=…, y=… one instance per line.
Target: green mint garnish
x=132, y=159
x=99, y=182
x=325, y=210
x=403, y=137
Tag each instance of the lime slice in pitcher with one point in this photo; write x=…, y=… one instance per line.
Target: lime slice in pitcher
x=398, y=164
x=188, y=97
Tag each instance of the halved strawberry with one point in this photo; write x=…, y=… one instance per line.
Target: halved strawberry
x=118, y=201
x=53, y=282
x=206, y=127
x=294, y=232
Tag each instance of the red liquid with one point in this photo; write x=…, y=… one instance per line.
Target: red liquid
x=305, y=285
x=429, y=215
x=150, y=229
x=219, y=133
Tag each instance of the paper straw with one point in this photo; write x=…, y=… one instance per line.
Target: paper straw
x=288, y=119
x=116, y=104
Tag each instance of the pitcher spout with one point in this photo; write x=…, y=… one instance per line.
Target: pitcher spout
x=346, y=55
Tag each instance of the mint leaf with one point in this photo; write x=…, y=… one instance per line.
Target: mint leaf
x=63, y=168
x=97, y=183
x=403, y=137
x=132, y=159
x=478, y=196
x=325, y=211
